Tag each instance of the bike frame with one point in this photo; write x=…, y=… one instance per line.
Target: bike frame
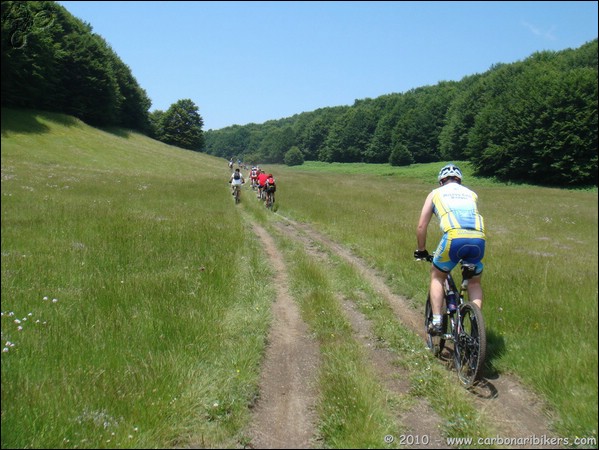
x=270, y=199
x=237, y=196
x=464, y=327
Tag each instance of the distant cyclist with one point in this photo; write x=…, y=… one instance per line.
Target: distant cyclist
x=262, y=176
x=270, y=186
x=254, y=177
x=463, y=239
x=236, y=181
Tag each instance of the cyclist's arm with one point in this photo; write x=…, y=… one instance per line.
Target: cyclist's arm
x=425, y=218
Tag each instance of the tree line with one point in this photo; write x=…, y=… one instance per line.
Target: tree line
x=532, y=121
x=53, y=61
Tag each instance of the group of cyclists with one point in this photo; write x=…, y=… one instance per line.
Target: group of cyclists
x=260, y=181
x=456, y=208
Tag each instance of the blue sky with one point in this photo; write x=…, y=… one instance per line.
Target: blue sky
x=242, y=62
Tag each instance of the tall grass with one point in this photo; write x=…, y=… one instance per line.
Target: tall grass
x=540, y=278
x=124, y=272
x=352, y=404
x=135, y=300
x=356, y=410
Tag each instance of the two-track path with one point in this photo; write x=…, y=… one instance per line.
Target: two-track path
x=284, y=415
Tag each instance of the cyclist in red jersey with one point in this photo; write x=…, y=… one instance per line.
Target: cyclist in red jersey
x=262, y=176
x=270, y=187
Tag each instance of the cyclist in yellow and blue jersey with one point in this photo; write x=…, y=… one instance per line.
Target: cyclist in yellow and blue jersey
x=463, y=239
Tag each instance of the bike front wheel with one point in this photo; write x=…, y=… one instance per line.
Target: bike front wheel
x=470, y=344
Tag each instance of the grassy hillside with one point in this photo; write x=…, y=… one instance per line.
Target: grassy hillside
x=122, y=260
x=125, y=267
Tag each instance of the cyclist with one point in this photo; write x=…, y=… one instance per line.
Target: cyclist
x=270, y=186
x=254, y=177
x=236, y=181
x=262, y=176
x=463, y=239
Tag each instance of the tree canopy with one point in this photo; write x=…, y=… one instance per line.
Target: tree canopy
x=53, y=61
x=531, y=121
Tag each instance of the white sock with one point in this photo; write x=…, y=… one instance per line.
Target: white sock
x=437, y=318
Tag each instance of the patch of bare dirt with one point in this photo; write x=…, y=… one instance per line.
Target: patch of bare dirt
x=284, y=416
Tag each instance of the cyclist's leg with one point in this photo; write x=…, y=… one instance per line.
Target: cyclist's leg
x=475, y=291
x=442, y=265
x=436, y=290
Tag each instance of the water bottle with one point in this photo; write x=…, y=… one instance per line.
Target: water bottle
x=451, y=301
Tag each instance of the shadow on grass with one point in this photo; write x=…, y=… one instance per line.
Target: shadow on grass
x=29, y=121
x=25, y=121
x=120, y=132
x=495, y=349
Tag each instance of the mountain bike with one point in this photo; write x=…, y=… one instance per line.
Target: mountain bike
x=237, y=193
x=270, y=199
x=462, y=324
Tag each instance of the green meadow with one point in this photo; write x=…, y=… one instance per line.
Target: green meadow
x=136, y=298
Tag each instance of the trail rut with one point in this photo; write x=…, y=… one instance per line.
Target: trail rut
x=285, y=416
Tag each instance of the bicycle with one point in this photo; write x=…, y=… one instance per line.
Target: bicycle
x=270, y=199
x=462, y=324
x=237, y=193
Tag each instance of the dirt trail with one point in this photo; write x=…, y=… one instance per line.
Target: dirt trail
x=284, y=416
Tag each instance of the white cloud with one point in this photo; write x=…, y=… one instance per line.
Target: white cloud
x=547, y=34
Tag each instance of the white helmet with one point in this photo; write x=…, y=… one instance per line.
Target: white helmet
x=450, y=170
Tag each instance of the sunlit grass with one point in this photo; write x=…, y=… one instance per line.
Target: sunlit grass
x=148, y=342
x=540, y=276
x=125, y=263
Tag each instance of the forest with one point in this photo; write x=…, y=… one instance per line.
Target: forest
x=531, y=121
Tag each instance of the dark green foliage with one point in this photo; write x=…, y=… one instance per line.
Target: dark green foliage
x=401, y=156
x=53, y=61
x=182, y=126
x=294, y=157
x=532, y=121
x=541, y=127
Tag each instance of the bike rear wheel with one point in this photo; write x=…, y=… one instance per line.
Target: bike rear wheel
x=435, y=343
x=470, y=346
